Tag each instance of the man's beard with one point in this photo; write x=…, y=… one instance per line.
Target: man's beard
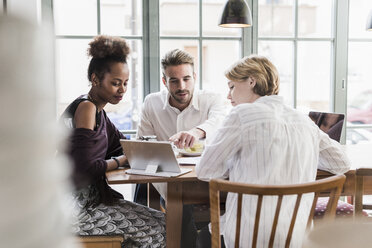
x=182, y=100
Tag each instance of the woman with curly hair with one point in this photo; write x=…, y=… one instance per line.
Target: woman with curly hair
x=94, y=148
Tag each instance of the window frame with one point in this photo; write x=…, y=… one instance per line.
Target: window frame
x=248, y=42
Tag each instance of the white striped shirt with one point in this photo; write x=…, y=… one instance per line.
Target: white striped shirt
x=267, y=142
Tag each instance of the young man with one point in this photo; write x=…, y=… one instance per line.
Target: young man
x=180, y=114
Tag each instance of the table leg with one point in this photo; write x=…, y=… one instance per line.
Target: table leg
x=153, y=197
x=358, y=198
x=174, y=214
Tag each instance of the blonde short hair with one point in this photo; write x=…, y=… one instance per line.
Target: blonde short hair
x=261, y=69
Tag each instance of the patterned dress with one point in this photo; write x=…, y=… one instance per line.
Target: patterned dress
x=140, y=226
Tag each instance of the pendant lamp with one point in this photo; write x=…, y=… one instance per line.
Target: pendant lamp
x=236, y=14
x=369, y=22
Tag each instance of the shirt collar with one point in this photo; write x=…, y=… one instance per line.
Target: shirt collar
x=194, y=101
x=271, y=98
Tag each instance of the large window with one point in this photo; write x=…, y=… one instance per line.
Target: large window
x=76, y=23
x=195, y=30
x=297, y=36
x=359, y=92
x=323, y=63
x=190, y=25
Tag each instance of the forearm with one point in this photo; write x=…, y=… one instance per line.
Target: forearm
x=113, y=165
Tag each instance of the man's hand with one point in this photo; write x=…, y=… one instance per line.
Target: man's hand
x=186, y=139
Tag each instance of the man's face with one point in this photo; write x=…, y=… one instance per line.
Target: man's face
x=180, y=82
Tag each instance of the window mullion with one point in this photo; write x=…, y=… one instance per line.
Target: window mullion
x=98, y=16
x=151, y=63
x=341, y=57
x=200, y=72
x=295, y=54
x=250, y=35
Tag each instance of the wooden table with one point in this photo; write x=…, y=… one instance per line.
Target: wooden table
x=187, y=189
x=178, y=192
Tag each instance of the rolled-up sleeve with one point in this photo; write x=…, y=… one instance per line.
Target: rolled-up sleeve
x=216, y=114
x=332, y=157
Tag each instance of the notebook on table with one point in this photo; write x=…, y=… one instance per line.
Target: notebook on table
x=330, y=123
x=152, y=158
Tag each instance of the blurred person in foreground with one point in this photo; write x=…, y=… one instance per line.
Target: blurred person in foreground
x=263, y=141
x=95, y=149
x=34, y=182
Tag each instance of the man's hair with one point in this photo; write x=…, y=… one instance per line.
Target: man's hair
x=176, y=57
x=261, y=69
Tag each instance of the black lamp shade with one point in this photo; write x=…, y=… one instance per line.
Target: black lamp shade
x=369, y=22
x=236, y=14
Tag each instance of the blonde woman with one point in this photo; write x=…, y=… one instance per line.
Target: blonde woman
x=263, y=141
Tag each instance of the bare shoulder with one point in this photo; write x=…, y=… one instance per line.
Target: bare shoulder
x=85, y=115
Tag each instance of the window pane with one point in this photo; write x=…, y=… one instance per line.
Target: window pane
x=358, y=136
x=68, y=18
x=179, y=17
x=275, y=18
x=280, y=53
x=314, y=76
x=359, y=90
x=315, y=18
x=71, y=72
x=358, y=13
x=191, y=46
x=218, y=56
x=212, y=10
x=72, y=64
x=125, y=115
x=121, y=17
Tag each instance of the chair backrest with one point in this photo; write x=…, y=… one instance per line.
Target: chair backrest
x=332, y=184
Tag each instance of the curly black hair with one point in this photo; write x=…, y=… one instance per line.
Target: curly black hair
x=105, y=50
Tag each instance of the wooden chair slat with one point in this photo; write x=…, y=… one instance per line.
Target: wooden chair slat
x=257, y=220
x=238, y=220
x=293, y=220
x=312, y=211
x=275, y=223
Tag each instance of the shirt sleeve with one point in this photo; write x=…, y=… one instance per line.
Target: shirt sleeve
x=145, y=127
x=216, y=114
x=224, y=145
x=332, y=158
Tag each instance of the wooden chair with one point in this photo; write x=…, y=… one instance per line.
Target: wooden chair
x=359, y=189
x=101, y=241
x=333, y=185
